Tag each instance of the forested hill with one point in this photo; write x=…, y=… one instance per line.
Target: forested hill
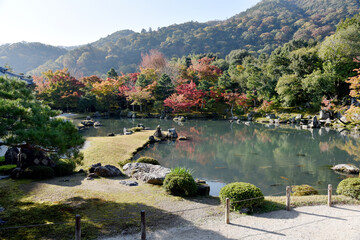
x=260, y=29
x=23, y=56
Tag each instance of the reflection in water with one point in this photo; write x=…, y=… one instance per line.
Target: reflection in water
x=270, y=158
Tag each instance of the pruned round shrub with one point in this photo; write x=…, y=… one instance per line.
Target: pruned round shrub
x=123, y=162
x=303, y=190
x=7, y=169
x=149, y=160
x=2, y=159
x=64, y=167
x=349, y=187
x=39, y=172
x=179, y=182
x=239, y=191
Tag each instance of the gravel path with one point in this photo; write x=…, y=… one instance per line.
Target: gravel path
x=315, y=222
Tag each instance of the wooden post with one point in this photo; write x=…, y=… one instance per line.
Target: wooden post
x=143, y=225
x=329, y=194
x=288, y=190
x=77, y=227
x=227, y=211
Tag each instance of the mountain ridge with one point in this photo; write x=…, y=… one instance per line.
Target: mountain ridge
x=259, y=29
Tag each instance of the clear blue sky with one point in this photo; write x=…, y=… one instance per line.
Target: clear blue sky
x=75, y=22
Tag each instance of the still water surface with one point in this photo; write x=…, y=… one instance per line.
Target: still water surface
x=270, y=158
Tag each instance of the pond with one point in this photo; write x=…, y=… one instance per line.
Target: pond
x=268, y=157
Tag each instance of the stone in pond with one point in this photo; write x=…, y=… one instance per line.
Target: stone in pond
x=346, y=168
x=182, y=138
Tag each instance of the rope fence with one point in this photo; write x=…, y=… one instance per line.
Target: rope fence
x=77, y=221
x=288, y=202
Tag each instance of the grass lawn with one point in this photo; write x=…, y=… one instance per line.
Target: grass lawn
x=111, y=150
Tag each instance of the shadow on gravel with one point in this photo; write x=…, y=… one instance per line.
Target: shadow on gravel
x=346, y=209
x=258, y=229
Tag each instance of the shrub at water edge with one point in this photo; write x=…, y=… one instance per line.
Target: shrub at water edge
x=349, y=187
x=149, y=160
x=238, y=191
x=179, y=182
x=39, y=172
x=303, y=190
x=64, y=167
x=135, y=129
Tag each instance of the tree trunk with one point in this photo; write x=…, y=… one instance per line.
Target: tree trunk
x=231, y=111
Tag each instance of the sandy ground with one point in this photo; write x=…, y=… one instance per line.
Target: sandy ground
x=315, y=222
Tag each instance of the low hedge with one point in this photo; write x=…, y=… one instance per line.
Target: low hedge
x=179, y=182
x=64, y=167
x=7, y=169
x=149, y=160
x=349, y=187
x=239, y=191
x=39, y=172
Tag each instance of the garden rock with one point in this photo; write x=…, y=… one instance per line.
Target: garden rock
x=328, y=122
x=298, y=117
x=141, y=125
x=182, y=138
x=88, y=123
x=343, y=119
x=92, y=167
x=158, y=133
x=270, y=116
x=97, y=124
x=16, y=173
x=96, y=115
x=126, y=132
x=152, y=174
x=107, y=171
x=249, y=117
x=324, y=115
x=152, y=139
x=203, y=189
x=11, y=156
x=172, y=133
x=346, y=168
x=129, y=183
x=30, y=157
x=314, y=123
x=129, y=114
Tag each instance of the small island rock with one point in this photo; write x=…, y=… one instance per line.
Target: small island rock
x=346, y=168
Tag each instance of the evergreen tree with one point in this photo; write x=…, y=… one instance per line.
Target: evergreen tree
x=164, y=87
x=112, y=74
x=25, y=122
